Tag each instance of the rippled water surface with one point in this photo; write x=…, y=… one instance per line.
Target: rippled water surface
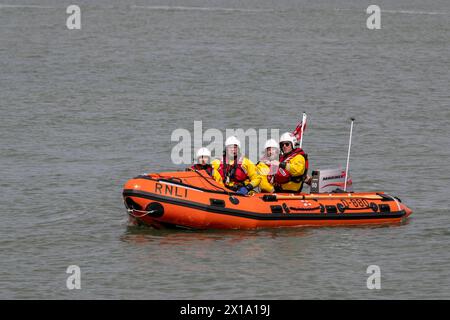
x=82, y=111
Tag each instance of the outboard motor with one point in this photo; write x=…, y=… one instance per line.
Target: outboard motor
x=329, y=181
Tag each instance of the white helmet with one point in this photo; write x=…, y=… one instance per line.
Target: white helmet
x=232, y=141
x=288, y=137
x=203, y=152
x=271, y=143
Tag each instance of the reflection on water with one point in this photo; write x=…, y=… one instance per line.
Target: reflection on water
x=213, y=252
x=143, y=234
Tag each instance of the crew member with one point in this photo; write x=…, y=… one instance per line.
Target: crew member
x=203, y=157
x=240, y=172
x=293, y=165
x=268, y=166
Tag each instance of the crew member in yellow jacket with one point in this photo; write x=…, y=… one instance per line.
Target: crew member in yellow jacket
x=293, y=166
x=240, y=172
x=268, y=166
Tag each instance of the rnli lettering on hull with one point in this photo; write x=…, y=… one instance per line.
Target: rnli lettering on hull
x=171, y=190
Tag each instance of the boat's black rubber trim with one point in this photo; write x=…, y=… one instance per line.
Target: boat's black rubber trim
x=263, y=216
x=217, y=202
x=269, y=197
x=276, y=208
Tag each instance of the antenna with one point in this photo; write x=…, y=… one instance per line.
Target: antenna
x=348, y=155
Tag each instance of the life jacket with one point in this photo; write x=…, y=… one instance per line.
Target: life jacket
x=207, y=167
x=269, y=172
x=283, y=175
x=236, y=173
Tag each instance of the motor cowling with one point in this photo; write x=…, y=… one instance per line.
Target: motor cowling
x=329, y=180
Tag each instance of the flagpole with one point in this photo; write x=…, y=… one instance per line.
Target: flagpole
x=303, y=127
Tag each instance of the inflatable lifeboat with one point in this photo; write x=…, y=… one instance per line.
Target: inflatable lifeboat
x=194, y=200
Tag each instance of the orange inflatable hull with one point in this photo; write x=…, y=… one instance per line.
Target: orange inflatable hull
x=194, y=200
